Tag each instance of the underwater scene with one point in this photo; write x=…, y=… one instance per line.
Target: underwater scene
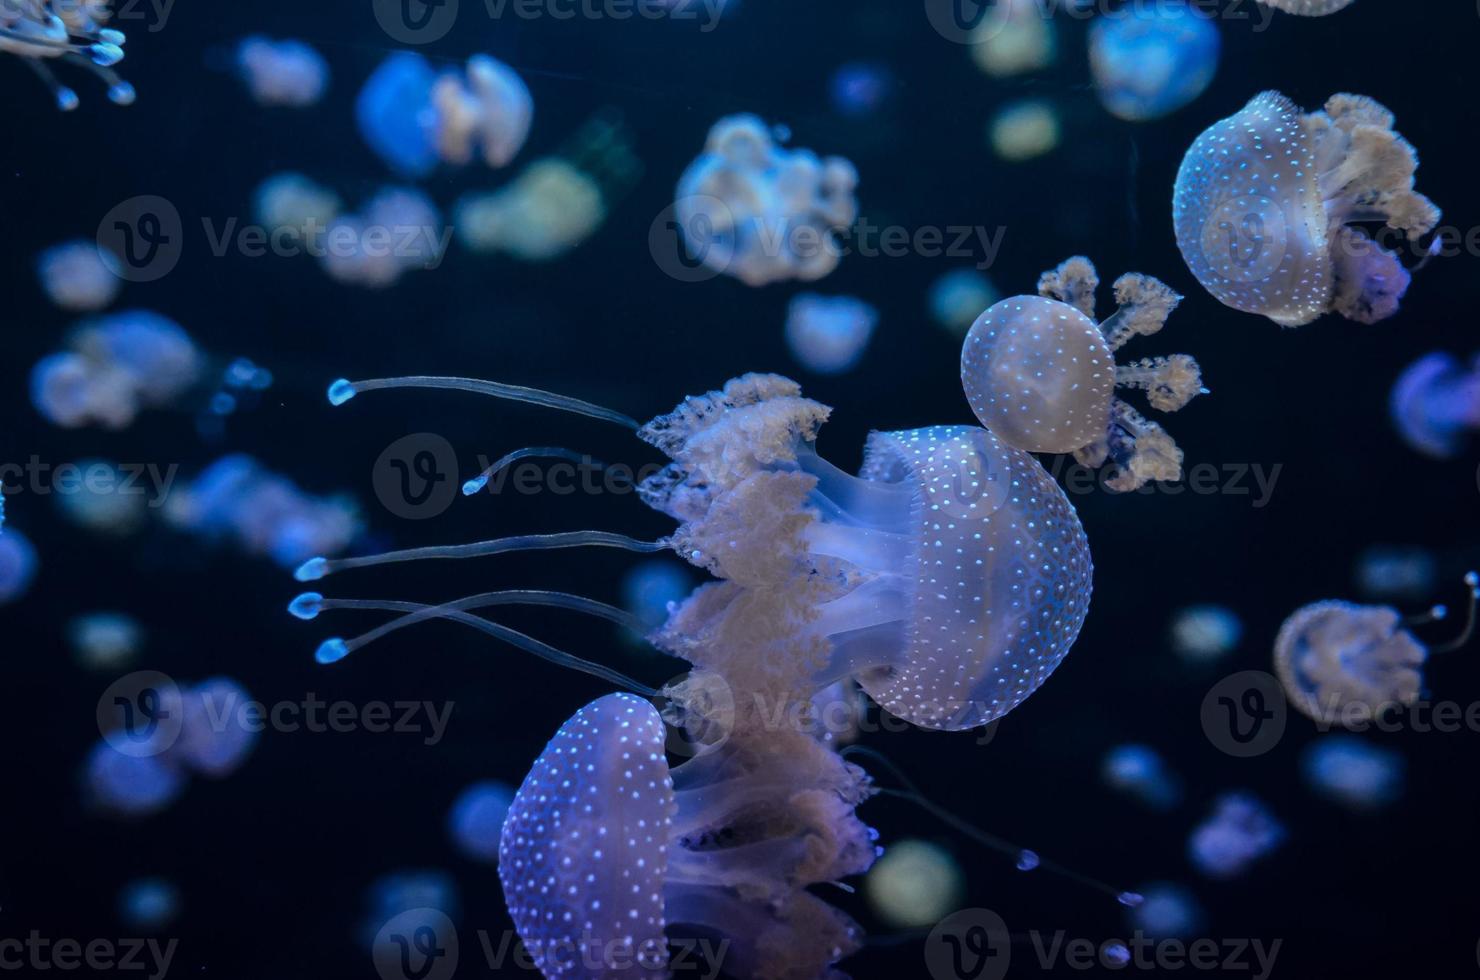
x=906, y=489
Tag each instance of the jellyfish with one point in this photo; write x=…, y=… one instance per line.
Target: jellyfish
x=914, y=884
x=1396, y=573
x=1140, y=771
x=828, y=334
x=1013, y=38
x=282, y=73
x=958, y=297
x=75, y=277
x=1041, y=374
x=68, y=31
x=652, y=589
x=1169, y=911
x=1204, y=633
x=476, y=820
x=1240, y=831
x=130, y=785
x=217, y=728
x=17, y=565
x=1308, y=8
x=607, y=851
x=422, y=902
x=397, y=230
x=1148, y=62
x=1024, y=130
x=148, y=904
x=550, y=208
x=105, y=640
x=750, y=208
x=291, y=201
x=1353, y=772
x=1435, y=403
x=1270, y=204
x=104, y=499
x=1341, y=663
x=859, y=88
x=414, y=118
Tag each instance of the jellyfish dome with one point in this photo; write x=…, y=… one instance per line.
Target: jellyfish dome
x=1239, y=832
x=1014, y=37
x=477, y=819
x=1353, y=772
x=1150, y=61
x=1140, y=771
x=1340, y=661
x=1269, y=203
x=75, y=277
x=40, y=31
x=1435, y=403
x=828, y=334
x=958, y=297
x=1309, y=8
x=282, y=73
x=607, y=851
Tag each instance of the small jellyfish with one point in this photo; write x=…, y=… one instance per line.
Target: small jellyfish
x=17, y=565
x=71, y=32
x=105, y=499
x=105, y=640
x=828, y=334
x=1150, y=61
x=397, y=230
x=282, y=73
x=1353, y=772
x=75, y=277
x=1014, y=37
x=1024, y=130
x=290, y=200
x=217, y=731
x=1269, y=206
x=1436, y=403
x=652, y=589
x=1140, y=771
x=476, y=820
x=752, y=209
x=1341, y=663
x=1168, y=911
x=148, y=904
x=1396, y=573
x=421, y=902
x=1309, y=8
x=1205, y=633
x=859, y=88
x=1041, y=374
x=414, y=118
x=1239, y=832
x=914, y=884
x=958, y=297
x=130, y=785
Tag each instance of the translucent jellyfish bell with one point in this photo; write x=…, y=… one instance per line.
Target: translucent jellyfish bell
x=1436, y=403
x=1239, y=832
x=914, y=884
x=828, y=334
x=1041, y=374
x=1269, y=204
x=1150, y=61
x=1353, y=772
x=282, y=73
x=76, y=278
x=476, y=820
x=1309, y=8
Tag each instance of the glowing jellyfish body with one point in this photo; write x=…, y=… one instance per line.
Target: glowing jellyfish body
x=1436, y=403
x=1024, y=130
x=148, y=903
x=651, y=590
x=828, y=334
x=859, y=88
x=607, y=851
x=128, y=785
x=1396, y=573
x=1353, y=772
x=116, y=366
x=217, y=730
x=75, y=277
x=397, y=230
x=1342, y=662
x=476, y=820
x=1239, y=832
x=1014, y=37
x=17, y=565
x=1309, y=8
x=1140, y=771
x=290, y=200
x=750, y=208
x=1151, y=61
x=1205, y=633
x=105, y=640
x=914, y=884
x=1041, y=374
x=71, y=32
x=282, y=73
x=1267, y=204
x=958, y=297
x=1168, y=911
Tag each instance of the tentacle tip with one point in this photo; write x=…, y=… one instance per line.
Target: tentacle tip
x=112, y=36
x=1472, y=579
x=121, y=93
x=105, y=54
x=307, y=606
x=474, y=486
x=340, y=392
x=331, y=651
x=1130, y=900
x=67, y=99
x=312, y=570
x=1027, y=860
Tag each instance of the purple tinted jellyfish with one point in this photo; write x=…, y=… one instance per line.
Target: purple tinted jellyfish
x=75, y=277
x=148, y=904
x=39, y=31
x=1435, y=403
x=1353, y=772
x=476, y=820
x=398, y=229
x=1206, y=632
x=828, y=334
x=282, y=73
x=130, y=785
x=1140, y=771
x=1041, y=374
x=17, y=564
x=1168, y=911
x=1267, y=205
x=607, y=851
x=1239, y=832
x=217, y=732
x=1150, y=61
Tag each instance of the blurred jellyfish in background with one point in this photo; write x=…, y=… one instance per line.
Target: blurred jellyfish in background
x=105, y=498
x=958, y=297
x=839, y=711
x=828, y=334
x=1435, y=404
x=1041, y=374
x=282, y=73
x=105, y=641
x=1269, y=206
x=914, y=884
x=859, y=88
x=217, y=732
x=398, y=229
x=1014, y=37
x=1385, y=572
x=115, y=367
x=1353, y=772
x=650, y=589
x=1024, y=130
x=1309, y=8
x=289, y=200
x=266, y=514
x=17, y=564
x=241, y=386
x=148, y=904
x=1167, y=911
x=41, y=31
x=1150, y=61
x=1140, y=772
x=753, y=209
x=75, y=277
x=123, y=784
x=1239, y=832
x=1204, y=633
x=477, y=819
x=420, y=895
x=415, y=118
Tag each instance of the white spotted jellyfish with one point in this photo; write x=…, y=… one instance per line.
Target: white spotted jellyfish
x=1040, y=373
x=1309, y=8
x=69, y=31
x=1270, y=206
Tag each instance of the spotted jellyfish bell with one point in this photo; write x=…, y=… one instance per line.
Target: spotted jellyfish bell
x=1041, y=374
x=73, y=33
x=1308, y=8
x=1269, y=206
x=1341, y=663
